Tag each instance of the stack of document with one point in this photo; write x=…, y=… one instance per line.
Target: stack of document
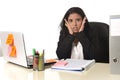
x=73, y=64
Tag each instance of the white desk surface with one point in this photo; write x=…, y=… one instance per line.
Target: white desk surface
x=99, y=71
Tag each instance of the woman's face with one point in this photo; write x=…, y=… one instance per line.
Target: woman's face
x=75, y=21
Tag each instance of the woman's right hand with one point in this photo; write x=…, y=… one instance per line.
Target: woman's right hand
x=68, y=26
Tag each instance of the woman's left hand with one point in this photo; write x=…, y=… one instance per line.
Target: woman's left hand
x=83, y=23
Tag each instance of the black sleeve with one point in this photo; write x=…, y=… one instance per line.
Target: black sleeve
x=95, y=46
x=88, y=46
x=64, y=45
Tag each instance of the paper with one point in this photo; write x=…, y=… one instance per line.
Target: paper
x=11, y=46
x=12, y=51
x=75, y=65
x=61, y=63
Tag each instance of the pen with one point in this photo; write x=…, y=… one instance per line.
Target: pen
x=33, y=51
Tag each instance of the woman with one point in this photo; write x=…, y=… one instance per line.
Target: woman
x=77, y=40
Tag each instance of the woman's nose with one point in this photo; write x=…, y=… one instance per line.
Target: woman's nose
x=74, y=23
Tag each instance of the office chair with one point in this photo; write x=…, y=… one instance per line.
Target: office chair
x=100, y=25
x=103, y=30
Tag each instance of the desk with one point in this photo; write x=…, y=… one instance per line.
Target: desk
x=99, y=71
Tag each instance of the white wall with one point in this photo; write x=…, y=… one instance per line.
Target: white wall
x=39, y=19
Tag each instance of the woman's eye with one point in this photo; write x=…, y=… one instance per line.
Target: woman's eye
x=70, y=20
x=78, y=19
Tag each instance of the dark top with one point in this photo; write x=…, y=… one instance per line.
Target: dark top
x=95, y=43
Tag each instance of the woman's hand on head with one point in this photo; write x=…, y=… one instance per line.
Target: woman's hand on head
x=83, y=24
x=68, y=26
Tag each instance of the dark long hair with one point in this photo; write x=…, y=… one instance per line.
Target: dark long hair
x=67, y=14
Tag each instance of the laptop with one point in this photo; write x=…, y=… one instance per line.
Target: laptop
x=114, y=44
x=13, y=49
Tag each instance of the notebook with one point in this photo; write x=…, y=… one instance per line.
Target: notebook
x=73, y=64
x=13, y=49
